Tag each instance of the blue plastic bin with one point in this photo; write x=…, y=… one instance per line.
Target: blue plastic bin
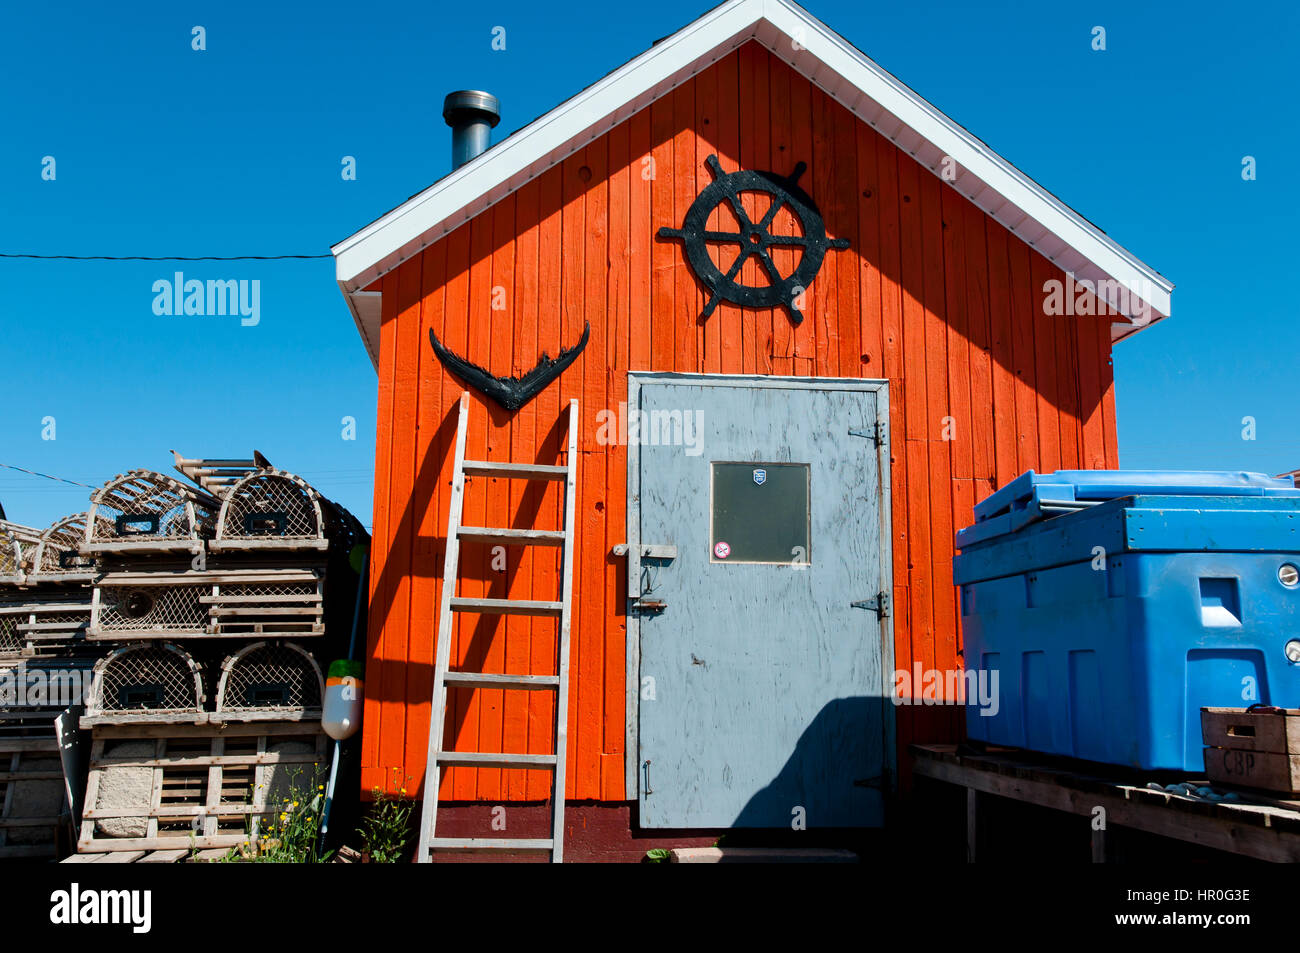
x=1113, y=605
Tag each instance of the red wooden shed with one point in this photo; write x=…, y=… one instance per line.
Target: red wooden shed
x=953, y=328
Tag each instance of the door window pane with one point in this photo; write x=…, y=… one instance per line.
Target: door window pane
x=760, y=513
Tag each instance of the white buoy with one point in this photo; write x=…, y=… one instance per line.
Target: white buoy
x=344, y=691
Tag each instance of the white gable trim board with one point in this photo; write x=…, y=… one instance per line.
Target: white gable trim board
x=1029, y=211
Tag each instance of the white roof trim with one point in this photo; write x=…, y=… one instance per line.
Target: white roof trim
x=795, y=36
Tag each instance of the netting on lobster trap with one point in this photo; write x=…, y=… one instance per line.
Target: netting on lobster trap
x=270, y=677
x=282, y=603
x=58, y=553
x=146, y=510
x=146, y=679
x=172, y=609
x=11, y=644
x=270, y=509
x=42, y=621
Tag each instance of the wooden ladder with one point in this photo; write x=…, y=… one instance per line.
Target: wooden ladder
x=451, y=603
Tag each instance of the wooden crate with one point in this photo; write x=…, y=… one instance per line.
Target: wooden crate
x=32, y=794
x=196, y=787
x=1256, y=749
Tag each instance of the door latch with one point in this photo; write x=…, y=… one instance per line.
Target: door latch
x=879, y=605
x=649, y=550
x=874, y=432
x=654, y=552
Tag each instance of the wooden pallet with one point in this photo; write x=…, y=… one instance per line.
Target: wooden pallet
x=190, y=787
x=31, y=786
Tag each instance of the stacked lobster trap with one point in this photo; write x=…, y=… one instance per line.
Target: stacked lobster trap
x=202, y=614
x=44, y=594
x=44, y=666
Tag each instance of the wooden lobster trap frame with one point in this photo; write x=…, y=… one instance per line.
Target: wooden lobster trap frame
x=283, y=603
x=153, y=787
x=37, y=622
x=145, y=511
x=146, y=682
x=217, y=475
x=270, y=681
x=279, y=603
x=33, y=800
x=270, y=510
x=17, y=549
x=57, y=555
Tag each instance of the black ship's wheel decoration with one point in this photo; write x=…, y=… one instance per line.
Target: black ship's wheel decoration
x=754, y=238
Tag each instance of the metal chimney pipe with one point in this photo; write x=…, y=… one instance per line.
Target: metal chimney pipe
x=472, y=114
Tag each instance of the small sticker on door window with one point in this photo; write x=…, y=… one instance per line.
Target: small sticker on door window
x=721, y=549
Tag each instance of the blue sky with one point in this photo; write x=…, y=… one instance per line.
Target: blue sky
x=161, y=150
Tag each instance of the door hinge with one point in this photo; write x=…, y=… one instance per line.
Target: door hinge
x=875, y=432
x=878, y=605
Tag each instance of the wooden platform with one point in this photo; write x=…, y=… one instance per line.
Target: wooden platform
x=1259, y=826
x=175, y=856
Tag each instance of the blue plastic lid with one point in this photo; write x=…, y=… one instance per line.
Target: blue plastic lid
x=1109, y=484
x=1033, y=497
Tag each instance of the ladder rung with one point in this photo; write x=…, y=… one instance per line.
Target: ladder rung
x=506, y=606
x=518, y=471
x=482, y=680
x=536, y=537
x=471, y=844
x=483, y=759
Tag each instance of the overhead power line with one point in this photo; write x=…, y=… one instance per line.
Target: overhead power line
x=46, y=476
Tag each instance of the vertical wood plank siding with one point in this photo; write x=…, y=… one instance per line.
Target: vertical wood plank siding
x=932, y=294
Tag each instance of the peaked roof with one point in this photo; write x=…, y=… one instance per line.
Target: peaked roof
x=815, y=51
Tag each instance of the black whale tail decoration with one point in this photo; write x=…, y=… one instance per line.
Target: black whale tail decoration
x=510, y=392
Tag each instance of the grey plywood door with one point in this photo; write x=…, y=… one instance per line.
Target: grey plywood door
x=760, y=687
